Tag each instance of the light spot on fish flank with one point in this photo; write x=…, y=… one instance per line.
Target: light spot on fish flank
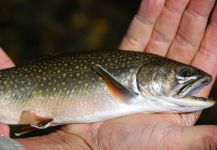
x=79, y=81
x=13, y=94
x=65, y=89
x=58, y=71
x=123, y=65
x=65, y=65
x=131, y=70
x=123, y=59
x=77, y=74
x=54, y=89
x=34, y=93
x=44, y=78
x=64, y=75
x=55, y=67
x=123, y=75
x=67, y=92
x=22, y=89
x=86, y=84
x=77, y=67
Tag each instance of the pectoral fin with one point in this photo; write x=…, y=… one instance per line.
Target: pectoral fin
x=115, y=87
x=33, y=122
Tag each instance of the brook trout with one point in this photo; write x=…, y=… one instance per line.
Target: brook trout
x=98, y=85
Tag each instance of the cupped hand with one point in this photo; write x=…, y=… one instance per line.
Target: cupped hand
x=174, y=29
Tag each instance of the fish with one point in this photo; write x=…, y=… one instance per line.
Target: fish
x=94, y=86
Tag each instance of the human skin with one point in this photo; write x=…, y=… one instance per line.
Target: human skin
x=174, y=29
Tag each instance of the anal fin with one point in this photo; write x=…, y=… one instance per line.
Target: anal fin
x=33, y=122
x=25, y=129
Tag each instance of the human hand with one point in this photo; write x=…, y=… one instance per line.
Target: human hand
x=172, y=30
x=5, y=62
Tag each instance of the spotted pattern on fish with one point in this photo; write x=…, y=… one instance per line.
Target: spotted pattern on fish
x=61, y=79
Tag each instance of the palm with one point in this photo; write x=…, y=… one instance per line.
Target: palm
x=150, y=131
x=172, y=30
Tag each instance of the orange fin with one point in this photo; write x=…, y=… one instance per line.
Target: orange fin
x=25, y=129
x=28, y=117
x=115, y=87
x=33, y=122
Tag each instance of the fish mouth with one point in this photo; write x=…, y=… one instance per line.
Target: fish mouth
x=186, y=95
x=193, y=87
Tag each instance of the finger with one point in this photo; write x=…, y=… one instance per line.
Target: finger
x=191, y=30
x=206, y=57
x=4, y=130
x=140, y=29
x=194, y=138
x=5, y=61
x=166, y=27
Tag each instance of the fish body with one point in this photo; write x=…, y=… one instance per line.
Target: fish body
x=97, y=85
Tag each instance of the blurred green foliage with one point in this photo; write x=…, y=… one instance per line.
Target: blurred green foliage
x=29, y=28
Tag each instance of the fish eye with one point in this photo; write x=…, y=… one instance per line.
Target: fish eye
x=186, y=72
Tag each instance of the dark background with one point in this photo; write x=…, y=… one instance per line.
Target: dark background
x=30, y=28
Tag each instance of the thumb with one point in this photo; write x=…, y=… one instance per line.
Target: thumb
x=4, y=130
x=5, y=61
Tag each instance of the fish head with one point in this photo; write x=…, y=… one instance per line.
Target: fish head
x=174, y=83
